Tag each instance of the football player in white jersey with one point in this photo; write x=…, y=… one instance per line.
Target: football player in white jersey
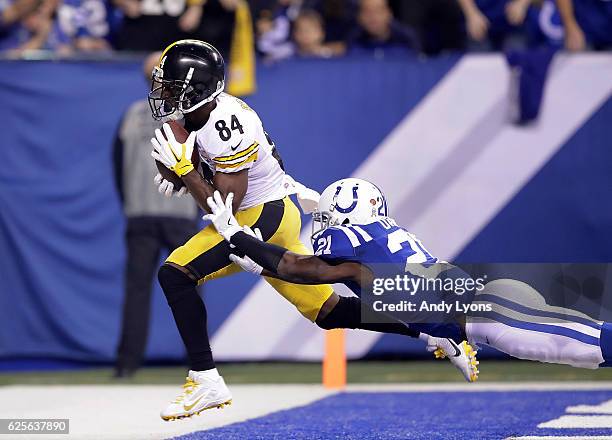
x=238, y=157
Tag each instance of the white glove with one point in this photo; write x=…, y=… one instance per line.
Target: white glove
x=170, y=152
x=166, y=187
x=245, y=262
x=222, y=216
x=307, y=198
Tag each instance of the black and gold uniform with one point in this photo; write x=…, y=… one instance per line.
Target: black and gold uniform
x=232, y=140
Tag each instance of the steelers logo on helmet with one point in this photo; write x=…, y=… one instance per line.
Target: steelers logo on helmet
x=349, y=201
x=190, y=74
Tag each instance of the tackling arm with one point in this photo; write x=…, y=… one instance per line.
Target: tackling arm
x=280, y=263
x=276, y=260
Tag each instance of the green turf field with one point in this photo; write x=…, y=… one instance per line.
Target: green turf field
x=358, y=372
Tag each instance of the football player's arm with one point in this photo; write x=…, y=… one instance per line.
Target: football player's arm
x=278, y=262
x=225, y=183
x=232, y=156
x=309, y=269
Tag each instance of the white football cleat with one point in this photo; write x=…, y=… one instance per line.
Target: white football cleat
x=462, y=356
x=202, y=391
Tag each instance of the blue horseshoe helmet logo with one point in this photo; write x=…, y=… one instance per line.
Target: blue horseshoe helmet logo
x=353, y=205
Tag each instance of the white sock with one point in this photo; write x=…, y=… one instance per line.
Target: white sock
x=204, y=375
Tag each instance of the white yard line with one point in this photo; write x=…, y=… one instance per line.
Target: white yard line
x=132, y=411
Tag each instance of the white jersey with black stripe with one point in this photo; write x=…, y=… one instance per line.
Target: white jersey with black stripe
x=233, y=140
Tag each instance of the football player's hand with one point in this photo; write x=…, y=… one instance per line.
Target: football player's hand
x=222, y=216
x=166, y=187
x=245, y=262
x=174, y=155
x=307, y=198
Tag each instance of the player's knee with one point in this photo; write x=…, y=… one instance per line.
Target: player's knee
x=346, y=314
x=174, y=282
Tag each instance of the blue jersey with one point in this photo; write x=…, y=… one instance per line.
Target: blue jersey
x=386, y=249
x=86, y=18
x=380, y=245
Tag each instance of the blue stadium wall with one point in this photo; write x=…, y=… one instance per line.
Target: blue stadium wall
x=434, y=134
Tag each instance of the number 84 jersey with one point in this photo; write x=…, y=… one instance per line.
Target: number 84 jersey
x=381, y=245
x=232, y=140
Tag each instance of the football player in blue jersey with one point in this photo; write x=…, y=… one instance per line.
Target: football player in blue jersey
x=357, y=240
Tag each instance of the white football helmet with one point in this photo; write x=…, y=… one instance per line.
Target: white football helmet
x=349, y=201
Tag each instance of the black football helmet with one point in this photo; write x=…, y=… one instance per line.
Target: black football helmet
x=190, y=73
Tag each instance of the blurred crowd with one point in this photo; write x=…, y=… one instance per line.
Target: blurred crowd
x=305, y=28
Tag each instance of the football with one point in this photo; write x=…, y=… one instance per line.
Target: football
x=180, y=134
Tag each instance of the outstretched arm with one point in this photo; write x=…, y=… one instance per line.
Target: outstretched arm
x=278, y=262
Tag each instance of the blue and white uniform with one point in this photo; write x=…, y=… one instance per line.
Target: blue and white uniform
x=378, y=244
x=388, y=250
x=520, y=323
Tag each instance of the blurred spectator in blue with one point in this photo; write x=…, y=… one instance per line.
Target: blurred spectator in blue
x=586, y=23
x=150, y=25
x=40, y=30
x=273, y=30
x=154, y=223
x=378, y=29
x=438, y=23
x=35, y=30
x=11, y=14
x=544, y=26
x=491, y=23
x=88, y=24
x=275, y=22
x=63, y=27
x=309, y=37
x=13, y=11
